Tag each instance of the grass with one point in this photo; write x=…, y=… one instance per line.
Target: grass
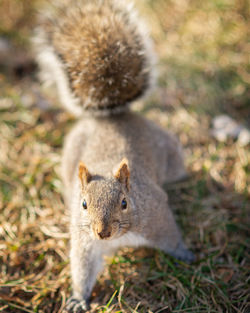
x=202, y=50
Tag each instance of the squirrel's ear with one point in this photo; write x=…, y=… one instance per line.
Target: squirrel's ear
x=122, y=174
x=83, y=174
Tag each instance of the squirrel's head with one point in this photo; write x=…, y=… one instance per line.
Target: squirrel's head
x=105, y=202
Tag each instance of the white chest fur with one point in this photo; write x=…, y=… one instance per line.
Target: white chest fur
x=130, y=239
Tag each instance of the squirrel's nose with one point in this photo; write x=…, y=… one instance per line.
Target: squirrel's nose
x=104, y=234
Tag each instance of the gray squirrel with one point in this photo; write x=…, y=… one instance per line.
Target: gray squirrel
x=114, y=161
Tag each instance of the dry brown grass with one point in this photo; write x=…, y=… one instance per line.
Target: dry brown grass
x=212, y=207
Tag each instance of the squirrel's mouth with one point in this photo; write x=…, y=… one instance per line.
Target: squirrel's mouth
x=103, y=232
x=109, y=232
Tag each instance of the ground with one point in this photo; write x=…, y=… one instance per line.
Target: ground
x=203, y=72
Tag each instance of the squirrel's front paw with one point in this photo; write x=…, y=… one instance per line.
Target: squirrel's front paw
x=183, y=254
x=75, y=306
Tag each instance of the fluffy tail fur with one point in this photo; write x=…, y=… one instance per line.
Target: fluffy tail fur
x=97, y=53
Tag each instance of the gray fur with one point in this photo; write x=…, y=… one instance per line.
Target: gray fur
x=153, y=156
x=100, y=59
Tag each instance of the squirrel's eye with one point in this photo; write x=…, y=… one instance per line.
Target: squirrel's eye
x=124, y=204
x=84, y=204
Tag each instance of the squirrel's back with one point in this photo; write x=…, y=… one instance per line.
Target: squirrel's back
x=102, y=53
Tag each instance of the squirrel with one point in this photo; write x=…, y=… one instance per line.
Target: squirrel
x=114, y=161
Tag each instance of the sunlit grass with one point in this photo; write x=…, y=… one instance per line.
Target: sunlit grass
x=203, y=65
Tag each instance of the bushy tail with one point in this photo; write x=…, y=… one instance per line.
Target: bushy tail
x=97, y=52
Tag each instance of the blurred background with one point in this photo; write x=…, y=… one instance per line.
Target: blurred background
x=202, y=95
